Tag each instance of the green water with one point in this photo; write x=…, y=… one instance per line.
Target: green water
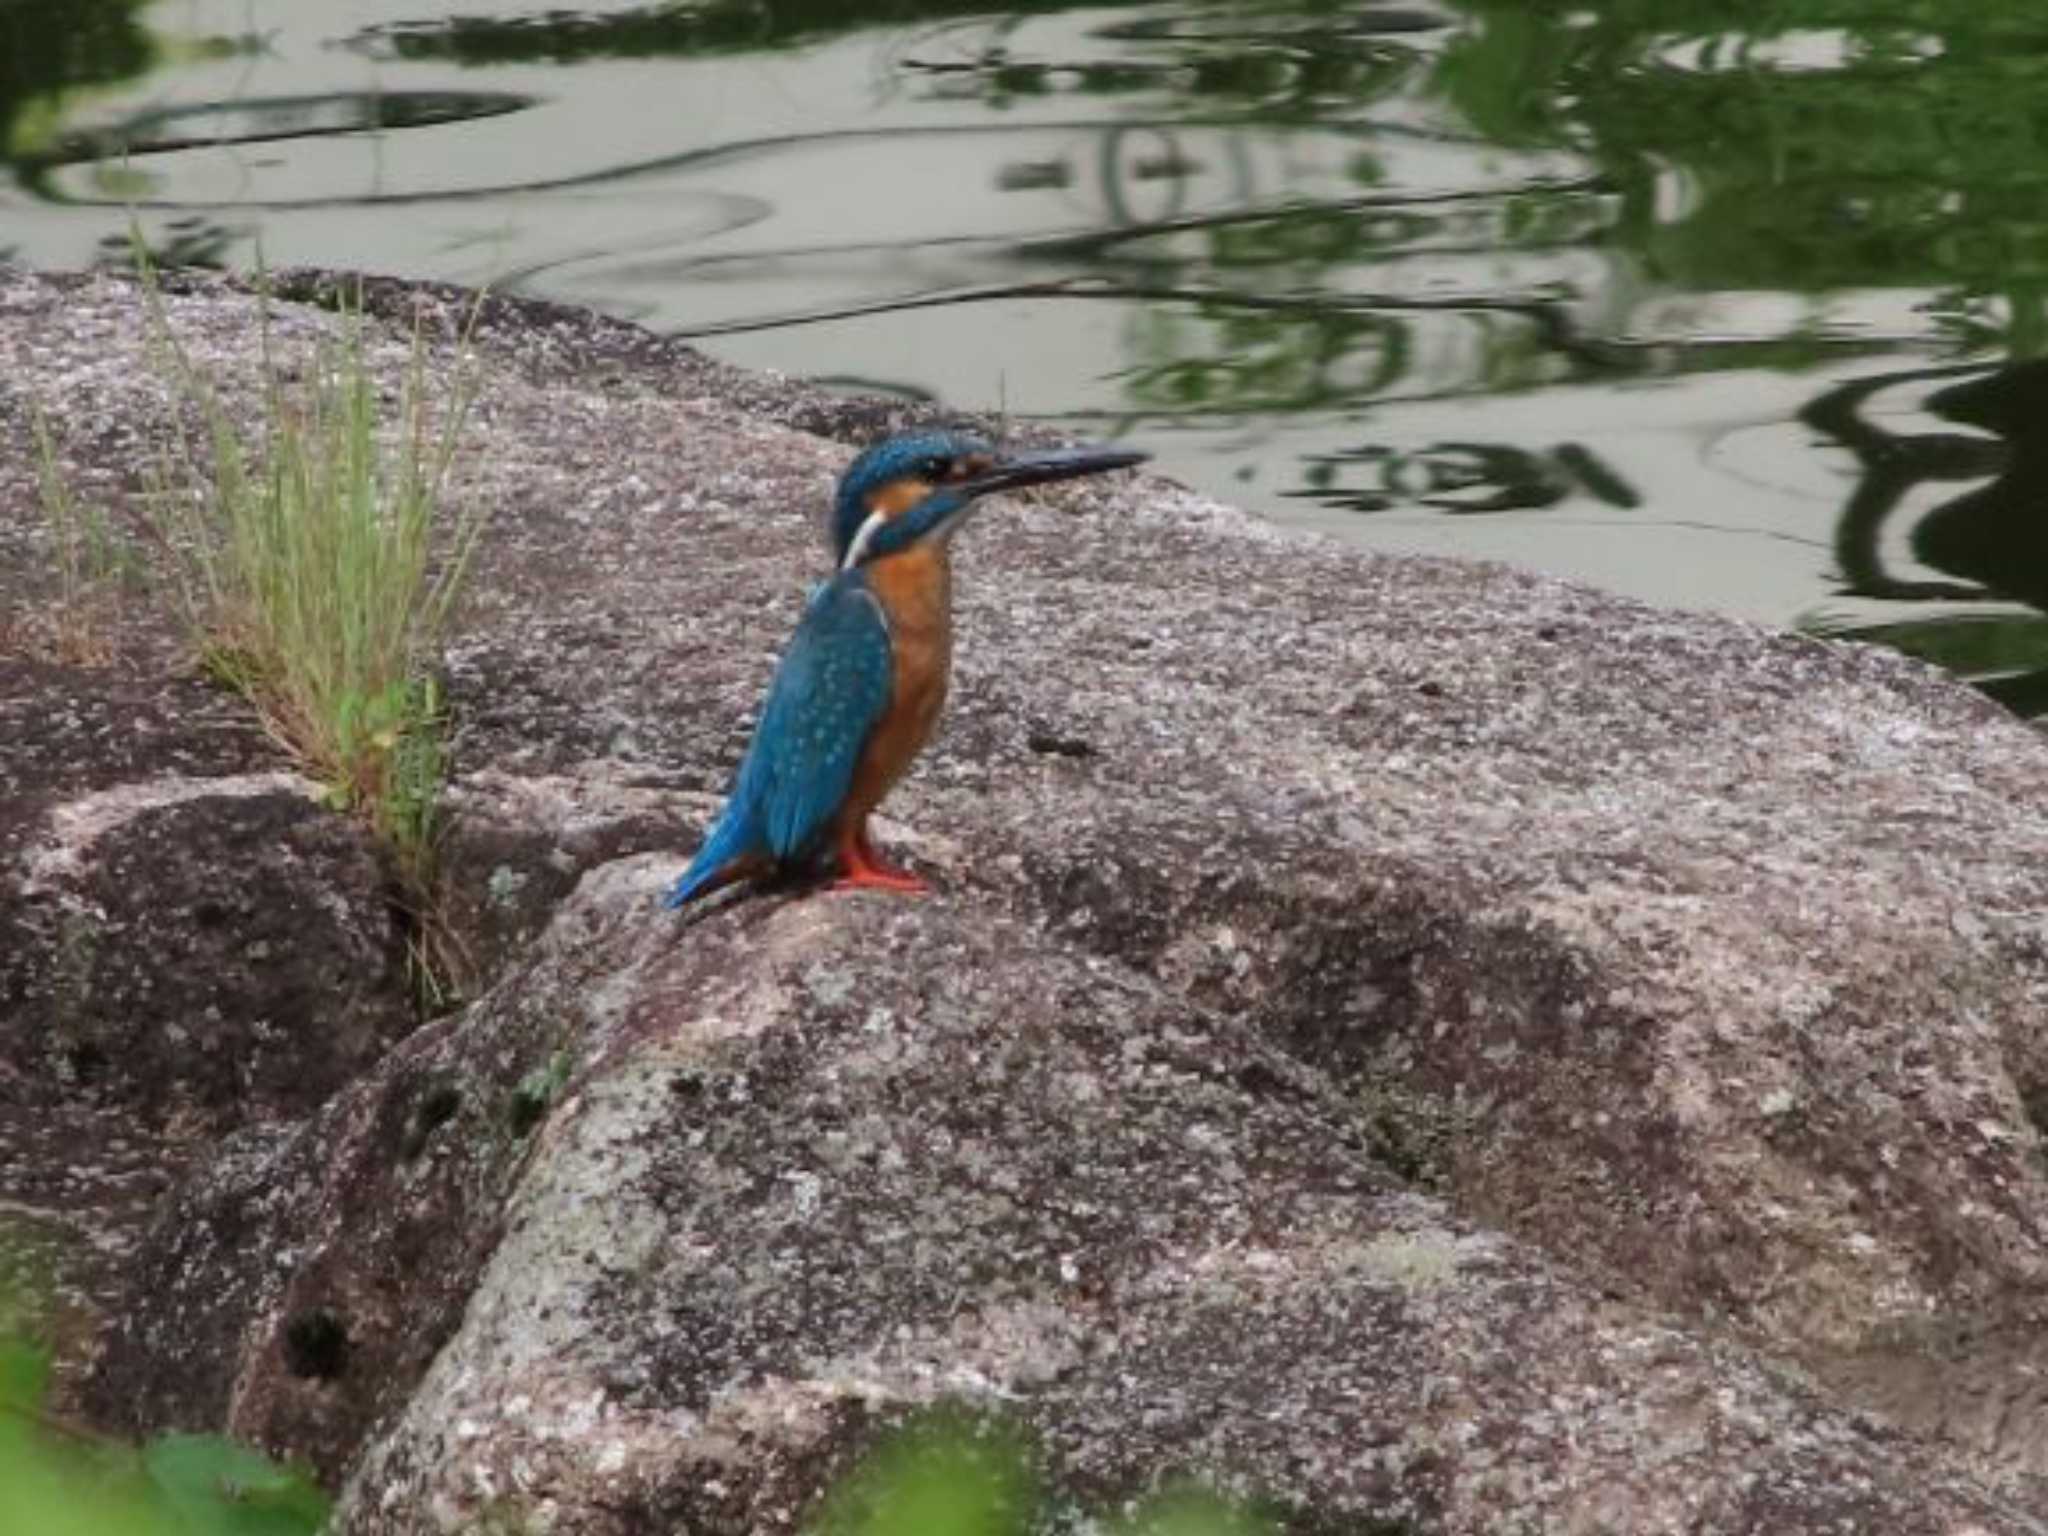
x=1726, y=306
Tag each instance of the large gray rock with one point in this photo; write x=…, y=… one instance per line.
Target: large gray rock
x=1412, y=1040
x=825, y=1159
x=189, y=943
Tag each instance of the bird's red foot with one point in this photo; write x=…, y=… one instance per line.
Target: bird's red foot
x=859, y=869
x=873, y=879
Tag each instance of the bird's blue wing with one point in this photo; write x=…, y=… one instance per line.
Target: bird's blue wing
x=829, y=693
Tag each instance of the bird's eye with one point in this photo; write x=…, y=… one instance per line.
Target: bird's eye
x=936, y=470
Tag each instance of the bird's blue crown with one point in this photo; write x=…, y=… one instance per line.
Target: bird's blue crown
x=925, y=456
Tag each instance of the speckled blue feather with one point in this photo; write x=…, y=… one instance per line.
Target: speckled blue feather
x=829, y=692
x=909, y=456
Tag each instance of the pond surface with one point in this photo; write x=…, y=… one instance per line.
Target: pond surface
x=1731, y=314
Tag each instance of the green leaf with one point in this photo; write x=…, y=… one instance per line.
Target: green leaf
x=24, y=1375
x=219, y=1488
x=946, y=1477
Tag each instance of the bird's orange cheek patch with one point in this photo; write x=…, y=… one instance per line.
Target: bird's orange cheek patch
x=898, y=497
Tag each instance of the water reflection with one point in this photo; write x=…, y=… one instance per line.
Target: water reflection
x=657, y=31
x=1992, y=539
x=1464, y=478
x=117, y=156
x=51, y=48
x=1635, y=280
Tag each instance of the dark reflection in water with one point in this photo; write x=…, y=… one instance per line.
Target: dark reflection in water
x=1993, y=538
x=1466, y=477
x=48, y=47
x=214, y=125
x=657, y=31
x=185, y=242
x=1635, y=290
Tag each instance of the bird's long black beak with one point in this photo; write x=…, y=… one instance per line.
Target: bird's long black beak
x=1012, y=471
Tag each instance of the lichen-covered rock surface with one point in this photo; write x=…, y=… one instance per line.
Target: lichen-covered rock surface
x=1405, y=1042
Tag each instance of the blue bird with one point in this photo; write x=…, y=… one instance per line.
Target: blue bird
x=860, y=688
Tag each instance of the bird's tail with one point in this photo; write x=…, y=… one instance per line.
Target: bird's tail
x=725, y=857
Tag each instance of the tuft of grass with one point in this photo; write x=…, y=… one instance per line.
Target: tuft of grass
x=94, y=565
x=318, y=566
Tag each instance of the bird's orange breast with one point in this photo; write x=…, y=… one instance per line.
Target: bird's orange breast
x=915, y=589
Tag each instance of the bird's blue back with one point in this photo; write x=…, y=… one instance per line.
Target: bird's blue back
x=830, y=690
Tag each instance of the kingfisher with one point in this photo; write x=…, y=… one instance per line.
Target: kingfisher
x=857, y=694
